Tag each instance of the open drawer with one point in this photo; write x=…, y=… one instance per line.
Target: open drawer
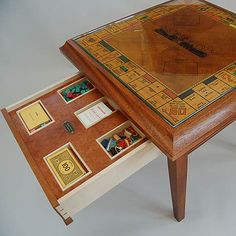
x=77, y=142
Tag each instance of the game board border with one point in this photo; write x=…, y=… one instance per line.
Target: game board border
x=156, y=110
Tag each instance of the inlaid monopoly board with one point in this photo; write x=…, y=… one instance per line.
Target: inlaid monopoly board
x=177, y=58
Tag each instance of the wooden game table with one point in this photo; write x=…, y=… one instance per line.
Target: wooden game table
x=169, y=71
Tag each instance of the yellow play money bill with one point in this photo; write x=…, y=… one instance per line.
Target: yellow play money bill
x=65, y=167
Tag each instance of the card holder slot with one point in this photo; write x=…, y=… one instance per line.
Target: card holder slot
x=95, y=112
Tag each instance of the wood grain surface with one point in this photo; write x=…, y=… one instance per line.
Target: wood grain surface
x=47, y=140
x=178, y=182
x=145, y=47
x=173, y=65
x=174, y=142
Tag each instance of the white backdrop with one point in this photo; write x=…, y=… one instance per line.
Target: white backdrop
x=30, y=34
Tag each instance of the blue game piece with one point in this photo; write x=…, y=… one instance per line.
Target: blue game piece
x=105, y=143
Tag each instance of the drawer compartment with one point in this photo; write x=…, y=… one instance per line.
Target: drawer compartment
x=34, y=117
x=95, y=112
x=69, y=161
x=120, y=139
x=71, y=167
x=76, y=89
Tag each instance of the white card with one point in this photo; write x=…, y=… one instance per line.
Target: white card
x=94, y=114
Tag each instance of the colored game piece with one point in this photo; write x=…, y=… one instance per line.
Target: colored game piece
x=108, y=148
x=118, y=149
x=112, y=143
x=116, y=137
x=113, y=151
x=121, y=134
x=127, y=141
x=132, y=131
x=76, y=90
x=127, y=133
x=105, y=143
x=134, y=138
x=69, y=95
x=121, y=143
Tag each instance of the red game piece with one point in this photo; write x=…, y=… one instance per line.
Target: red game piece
x=122, y=144
x=70, y=95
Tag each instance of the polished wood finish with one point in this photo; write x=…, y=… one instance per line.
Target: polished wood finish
x=174, y=142
x=83, y=140
x=35, y=147
x=173, y=65
x=40, y=177
x=144, y=46
x=49, y=193
x=178, y=180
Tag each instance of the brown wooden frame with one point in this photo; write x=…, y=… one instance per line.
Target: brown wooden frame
x=174, y=142
x=52, y=199
x=177, y=143
x=54, y=192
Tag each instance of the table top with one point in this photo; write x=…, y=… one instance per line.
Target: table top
x=177, y=58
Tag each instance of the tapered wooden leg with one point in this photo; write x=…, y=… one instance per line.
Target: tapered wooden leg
x=178, y=180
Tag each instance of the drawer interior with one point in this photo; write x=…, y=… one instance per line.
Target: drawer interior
x=127, y=134
x=49, y=140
